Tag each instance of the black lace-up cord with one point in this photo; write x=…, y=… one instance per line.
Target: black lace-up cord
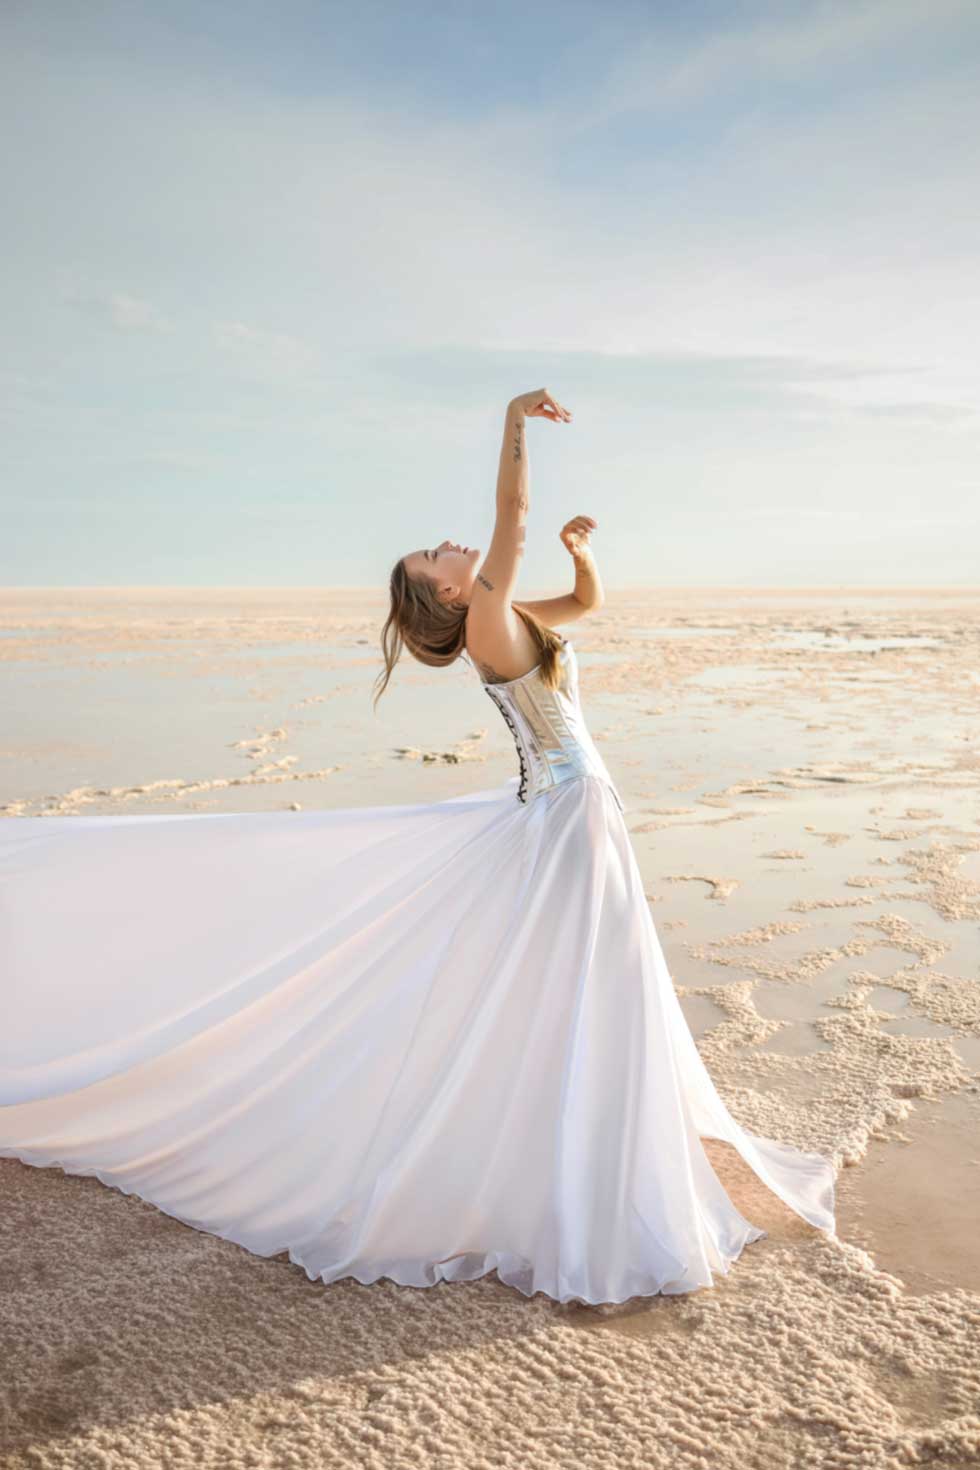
x=522, y=788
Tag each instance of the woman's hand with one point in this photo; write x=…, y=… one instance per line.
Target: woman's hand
x=575, y=534
x=540, y=405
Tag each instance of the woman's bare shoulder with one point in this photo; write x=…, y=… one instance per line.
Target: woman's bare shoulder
x=501, y=654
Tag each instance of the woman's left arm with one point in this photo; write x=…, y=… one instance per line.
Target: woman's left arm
x=588, y=595
x=575, y=536
x=588, y=585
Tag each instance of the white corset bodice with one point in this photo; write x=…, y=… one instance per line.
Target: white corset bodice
x=549, y=730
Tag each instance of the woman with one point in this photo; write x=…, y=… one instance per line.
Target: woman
x=421, y=1042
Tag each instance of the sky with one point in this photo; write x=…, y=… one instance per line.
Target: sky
x=272, y=272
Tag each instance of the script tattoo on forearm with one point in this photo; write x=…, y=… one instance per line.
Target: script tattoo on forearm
x=518, y=430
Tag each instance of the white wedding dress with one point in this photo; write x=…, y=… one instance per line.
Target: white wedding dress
x=420, y=1042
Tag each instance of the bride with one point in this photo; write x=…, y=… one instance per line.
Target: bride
x=422, y=1041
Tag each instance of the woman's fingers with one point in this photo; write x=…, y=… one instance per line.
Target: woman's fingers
x=542, y=405
x=579, y=527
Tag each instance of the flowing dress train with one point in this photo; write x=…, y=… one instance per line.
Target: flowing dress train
x=419, y=1041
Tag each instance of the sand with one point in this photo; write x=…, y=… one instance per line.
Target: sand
x=802, y=777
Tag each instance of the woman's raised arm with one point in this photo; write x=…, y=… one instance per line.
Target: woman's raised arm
x=499, y=571
x=491, y=619
x=514, y=473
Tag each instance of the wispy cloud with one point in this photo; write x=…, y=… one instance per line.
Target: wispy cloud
x=278, y=352
x=784, y=46
x=115, y=309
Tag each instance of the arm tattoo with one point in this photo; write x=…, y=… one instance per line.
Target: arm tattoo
x=483, y=581
x=517, y=441
x=489, y=673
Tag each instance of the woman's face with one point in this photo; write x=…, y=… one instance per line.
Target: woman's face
x=450, y=566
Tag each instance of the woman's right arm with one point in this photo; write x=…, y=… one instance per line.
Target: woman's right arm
x=497, y=576
x=514, y=475
x=491, y=619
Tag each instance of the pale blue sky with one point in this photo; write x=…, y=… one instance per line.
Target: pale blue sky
x=272, y=271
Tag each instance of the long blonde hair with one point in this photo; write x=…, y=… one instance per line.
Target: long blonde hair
x=434, y=632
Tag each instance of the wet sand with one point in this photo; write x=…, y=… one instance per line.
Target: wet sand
x=802, y=779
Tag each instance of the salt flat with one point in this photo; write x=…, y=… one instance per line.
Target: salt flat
x=802, y=777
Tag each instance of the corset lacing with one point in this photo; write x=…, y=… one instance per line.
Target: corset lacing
x=522, y=788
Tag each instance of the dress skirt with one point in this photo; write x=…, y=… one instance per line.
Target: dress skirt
x=421, y=1042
